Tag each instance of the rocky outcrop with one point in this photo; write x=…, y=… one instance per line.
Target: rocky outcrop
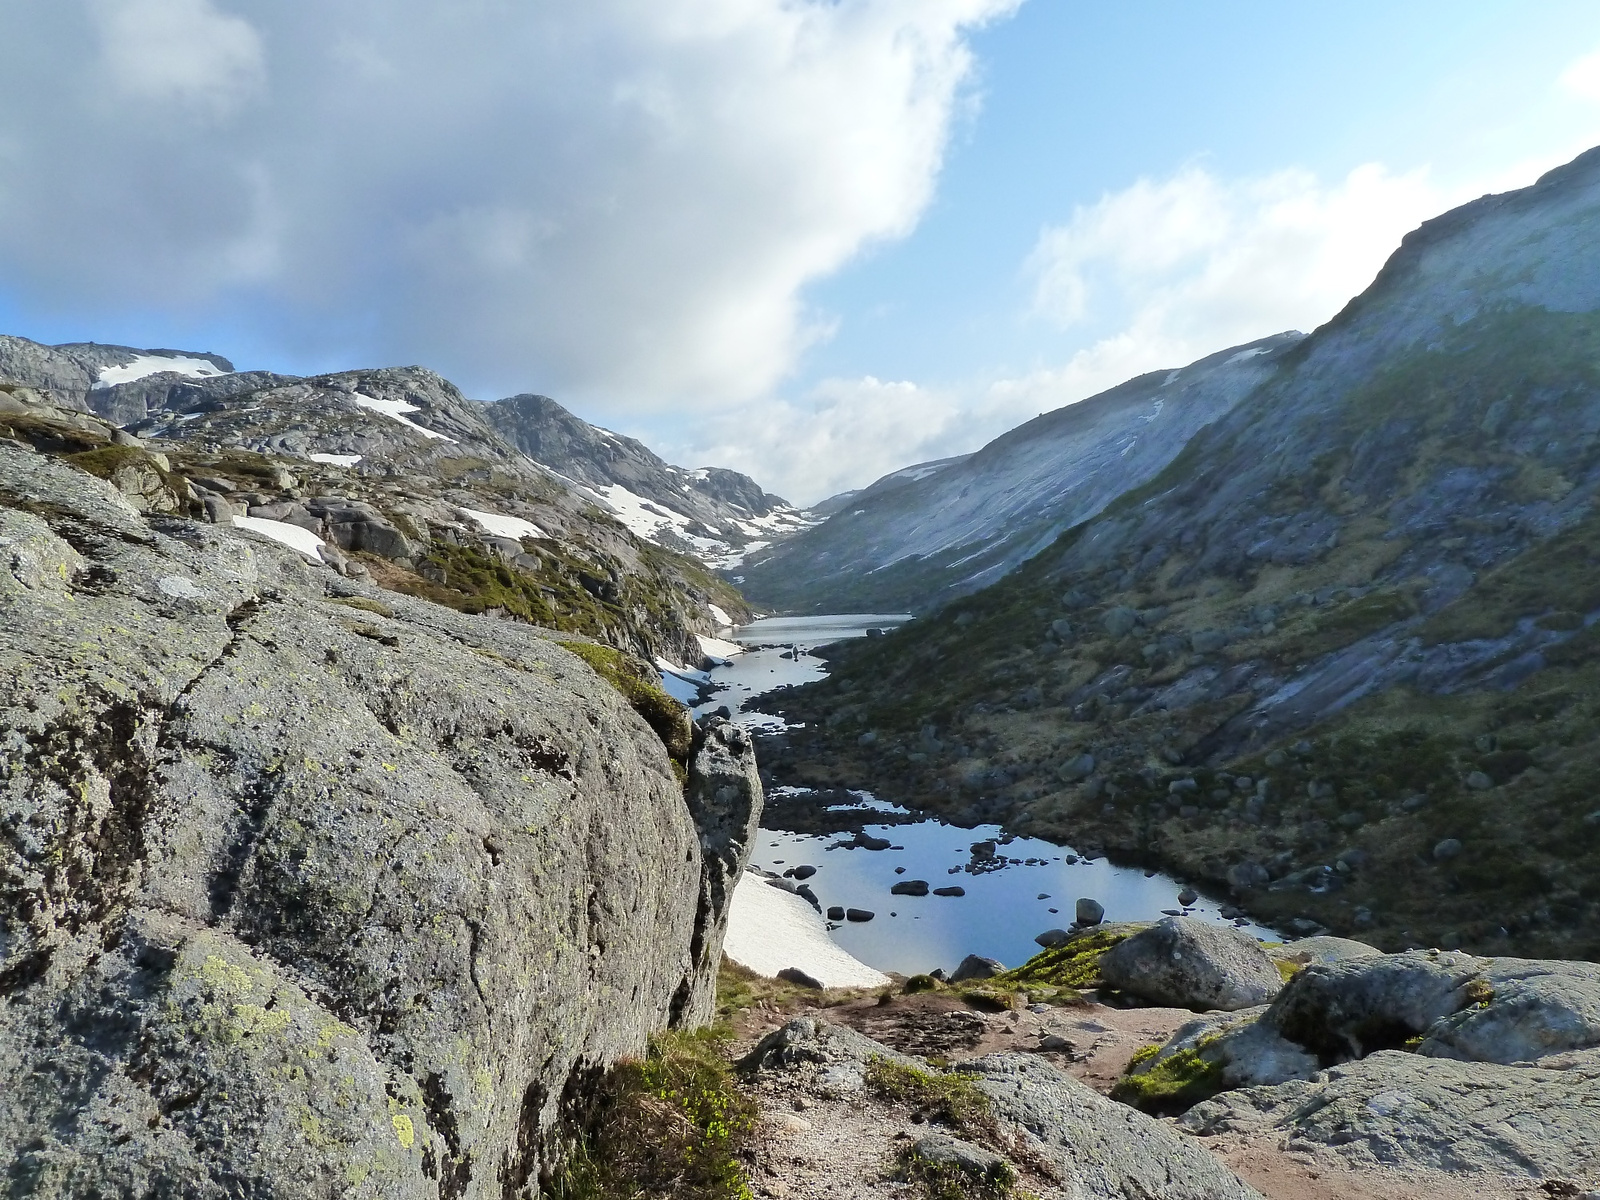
x=1184, y=963
x=1093, y=1146
x=1476, y=1120
x=1099, y=1147
x=710, y=511
x=311, y=890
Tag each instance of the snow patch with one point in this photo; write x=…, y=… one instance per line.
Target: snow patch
x=336, y=460
x=145, y=365
x=285, y=534
x=717, y=648
x=723, y=620
x=1244, y=354
x=770, y=929
x=504, y=526
x=395, y=410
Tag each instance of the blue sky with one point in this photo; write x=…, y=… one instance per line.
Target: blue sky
x=811, y=239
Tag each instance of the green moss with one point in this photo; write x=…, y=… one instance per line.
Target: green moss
x=641, y=688
x=1287, y=969
x=1075, y=965
x=1143, y=1055
x=670, y=1125
x=1172, y=1085
x=920, y=983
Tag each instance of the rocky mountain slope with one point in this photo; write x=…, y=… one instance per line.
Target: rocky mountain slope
x=309, y=888
x=1340, y=656
x=717, y=514
x=395, y=471
x=923, y=535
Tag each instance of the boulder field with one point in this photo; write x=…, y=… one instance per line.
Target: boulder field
x=311, y=890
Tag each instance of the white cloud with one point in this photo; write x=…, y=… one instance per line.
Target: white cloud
x=182, y=50
x=1155, y=276
x=1582, y=78
x=618, y=199
x=1195, y=263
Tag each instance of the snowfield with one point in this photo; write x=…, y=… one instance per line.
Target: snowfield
x=336, y=460
x=770, y=929
x=285, y=534
x=395, y=410
x=503, y=526
x=145, y=365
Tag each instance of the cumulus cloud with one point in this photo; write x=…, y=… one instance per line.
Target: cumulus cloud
x=1154, y=276
x=618, y=199
x=1194, y=263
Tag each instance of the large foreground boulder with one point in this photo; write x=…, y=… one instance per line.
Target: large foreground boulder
x=1184, y=963
x=310, y=891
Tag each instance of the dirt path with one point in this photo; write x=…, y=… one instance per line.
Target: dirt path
x=844, y=1147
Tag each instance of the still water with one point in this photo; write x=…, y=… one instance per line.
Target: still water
x=1002, y=910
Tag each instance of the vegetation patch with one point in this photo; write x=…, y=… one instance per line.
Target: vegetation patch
x=1075, y=965
x=670, y=1125
x=1169, y=1085
x=952, y=1099
x=948, y=1181
x=640, y=687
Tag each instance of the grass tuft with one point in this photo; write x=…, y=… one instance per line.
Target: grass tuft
x=670, y=1125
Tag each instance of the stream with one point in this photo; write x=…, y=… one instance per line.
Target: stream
x=1014, y=887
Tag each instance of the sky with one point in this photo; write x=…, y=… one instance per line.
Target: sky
x=814, y=240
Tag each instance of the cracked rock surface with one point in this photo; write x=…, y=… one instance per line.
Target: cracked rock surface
x=306, y=889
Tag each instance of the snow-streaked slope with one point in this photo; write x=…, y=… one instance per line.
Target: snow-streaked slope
x=713, y=513
x=927, y=533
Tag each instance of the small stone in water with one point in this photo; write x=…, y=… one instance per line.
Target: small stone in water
x=1044, y=895
x=1055, y=910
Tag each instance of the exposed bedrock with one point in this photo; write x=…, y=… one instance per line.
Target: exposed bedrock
x=310, y=891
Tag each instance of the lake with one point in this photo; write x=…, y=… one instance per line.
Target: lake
x=1034, y=886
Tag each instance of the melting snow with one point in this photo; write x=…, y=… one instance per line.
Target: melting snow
x=504, y=526
x=284, y=533
x=1244, y=354
x=336, y=460
x=717, y=648
x=723, y=620
x=770, y=929
x=395, y=410
x=145, y=365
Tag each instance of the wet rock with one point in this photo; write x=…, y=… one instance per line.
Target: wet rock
x=910, y=887
x=976, y=967
x=1188, y=897
x=1187, y=963
x=836, y=913
x=858, y=914
x=801, y=872
x=983, y=851
x=950, y=891
x=1089, y=911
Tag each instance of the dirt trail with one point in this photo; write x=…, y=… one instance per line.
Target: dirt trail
x=843, y=1148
